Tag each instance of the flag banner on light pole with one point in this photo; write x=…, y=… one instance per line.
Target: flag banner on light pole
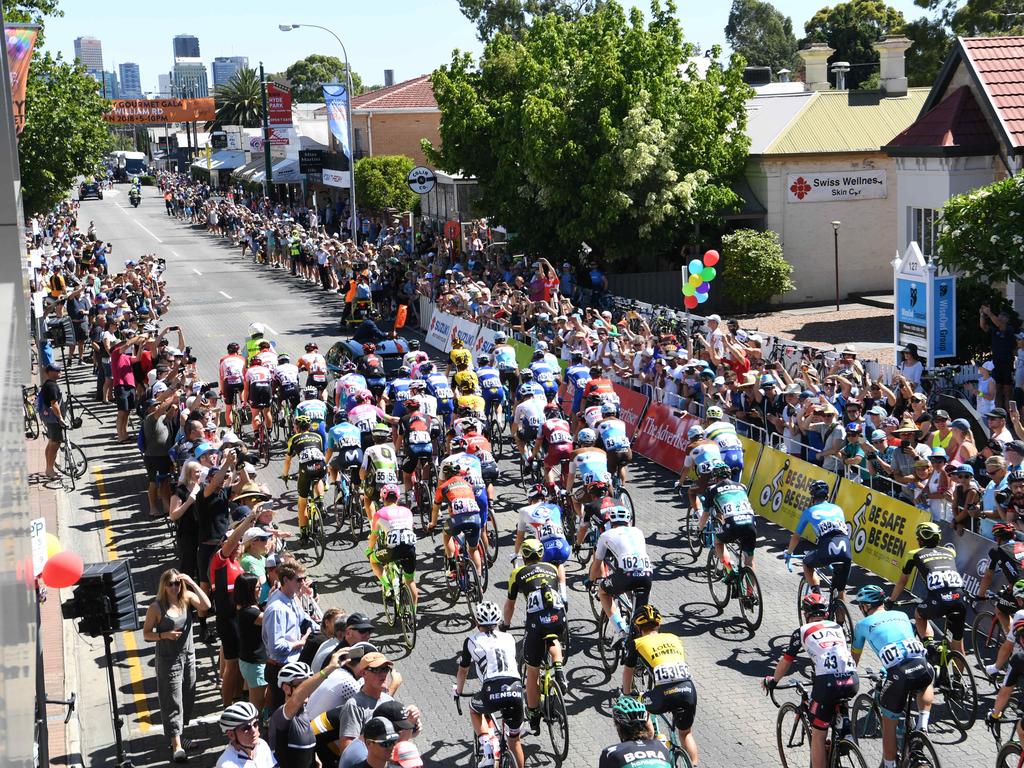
x=21, y=39
x=336, y=98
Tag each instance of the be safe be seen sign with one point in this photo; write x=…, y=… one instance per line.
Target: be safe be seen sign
x=835, y=187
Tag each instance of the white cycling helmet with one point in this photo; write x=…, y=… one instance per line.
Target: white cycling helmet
x=695, y=432
x=619, y=515
x=294, y=672
x=257, y=329
x=542, y=346
x=500, y=338
x=586, y=436
x=238, y=714
x=487, y=614
x=714, y=412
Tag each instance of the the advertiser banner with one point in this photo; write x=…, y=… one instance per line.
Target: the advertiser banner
x=662, y=436
x=440, y=331
x=279, y=105
x=632, y=405
x=881, y=528
x=484, y=344
x=778, y=491
x=751, y=455
x=465, y=330
x=21, y=39
x=158, y=111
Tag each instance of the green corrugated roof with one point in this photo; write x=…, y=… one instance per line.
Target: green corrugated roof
x=848, y=121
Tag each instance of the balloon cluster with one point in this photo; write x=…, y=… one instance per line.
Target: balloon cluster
x=697, y=285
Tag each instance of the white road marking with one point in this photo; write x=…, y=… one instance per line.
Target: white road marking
x=145, y=230
x=224, y=294
x=271, y=330
x=175, y=254
x=194, y=269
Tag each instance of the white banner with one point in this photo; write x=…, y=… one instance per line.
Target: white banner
x=466, y=330
x=484, y=342
x=439, y=334
x=334, y=178
x=835, y=187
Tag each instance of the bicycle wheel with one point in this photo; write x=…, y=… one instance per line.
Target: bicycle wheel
x=750, y=599
x=627, y=501
x=792, y=737
x=65, y=466
x=317, y=534
x=847, y=755
x=865, y=718
x=473, y=593
x=485, y=570
x=585, y=550
x=493, y=543
x=1009, y=756
x=919, y=752
x=497, y=440
x=422, y=498
x=338, y=506
x=31, y=424
x=713, y=573
x=595, y=603
x=987, y=636
x=78, y=461
x=609, y=655
x=407, y=616
x=801, y=592
x=264, y=444
x=843, y=618
x=959, y=691
x=694, y=533
x=389, y=600
x=557, y=721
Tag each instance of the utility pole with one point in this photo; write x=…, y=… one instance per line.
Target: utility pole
x=268, y=175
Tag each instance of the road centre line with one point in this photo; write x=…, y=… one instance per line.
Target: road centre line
x=223, y=294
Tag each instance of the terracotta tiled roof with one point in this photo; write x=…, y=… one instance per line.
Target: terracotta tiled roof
x=999, y=64
x=956, y=126
x=417, y=93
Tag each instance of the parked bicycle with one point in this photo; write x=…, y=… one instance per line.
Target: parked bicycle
x=29, y=413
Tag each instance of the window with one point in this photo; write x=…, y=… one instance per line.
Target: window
x=924, y=224
x=360, y=150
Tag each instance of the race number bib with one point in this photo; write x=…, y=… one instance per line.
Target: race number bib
x=399, y=536
x=671, y=673
x=940, y=580
x=551, y=531
x=535, y=602
x=464, y=506
x=560, y=437
x=832, y=526
x=894, y=653
x=384, y=476
x=419, y=438
x=636, y=564
x=443, y=393
x=309, y=455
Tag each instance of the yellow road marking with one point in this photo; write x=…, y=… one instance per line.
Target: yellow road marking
x=131, y=647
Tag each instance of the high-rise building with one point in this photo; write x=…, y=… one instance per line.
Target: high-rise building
x=89, y=51
x=225, y=67
x=186, y=47
x=188, y=79
x=131, y=82
x=163, y=86
x=108, y=85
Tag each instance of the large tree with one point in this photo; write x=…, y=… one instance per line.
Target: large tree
x=31, y=12
x=762, y=35
x=585, y=130
x=64, y=135
x=979, y=17
x=511, y=17
x=851, y=28
x=307, y=77
x=381, y=182
x=930, y=44
x=240, y=100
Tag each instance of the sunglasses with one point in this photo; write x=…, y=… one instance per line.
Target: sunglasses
x=253, y=726
x=378, y=670
x=177, y=583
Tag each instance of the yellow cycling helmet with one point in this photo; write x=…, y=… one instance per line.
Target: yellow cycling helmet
x=532, y=551
x=928, y=532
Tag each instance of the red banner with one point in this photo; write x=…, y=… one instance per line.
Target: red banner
x=631, y=410
x=20, y=41
x=279, y=105
x=662, y=436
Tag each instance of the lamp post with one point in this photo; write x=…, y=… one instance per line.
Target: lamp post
x=835, y=237
x=268, y=171
x=348, y=107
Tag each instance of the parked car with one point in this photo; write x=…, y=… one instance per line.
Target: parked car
x=90, y=189
x=390, y=351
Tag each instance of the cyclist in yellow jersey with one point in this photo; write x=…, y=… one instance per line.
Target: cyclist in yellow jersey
x=470, y=400
x=465, y=375
x=459, y=357
x=671, y=687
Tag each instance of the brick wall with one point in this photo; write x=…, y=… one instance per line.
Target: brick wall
x=398, y=133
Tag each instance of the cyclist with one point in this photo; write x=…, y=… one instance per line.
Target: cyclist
x=456, y=493
x=491, y=387
x=1006, y=556
x=257, y=392
x=371, y=366
x=289, y=731
x=232, y=378
x=413, y=441
x=464, y=372
x=576, y=377
x=252, y=344
x=637, y=745
x=311, y=405
x=549, y=358
x=471, y=468
x=591, y=410
x=267, y=355
x=597, y=512
x=724, y=434
x=673, y=689
x=505, y=360
x=1012, y=651
x=493, y=653
x=701, y=455
x=545, y=620
x=555, y=440
x=832, y=539
x=367, y=416
x=379, y=467
x=414, y=355
x=544, y=374
x=344, y=449
x=459, y=358
x=286, y=380
x=589, y=465
x=469, y=401
x=599, y=386
x=612, y=437
x=734, y=516
x=348, y=385
x=528, y=388
x=937, y=565
x=622, y=550
x=240, y=722
x=527, y=421
x=308, y=447
x=397, y=391
x=428, y=403
x=437, y=385
x=315, y=366
x=835, y=673
x=392, y=539
x=542, y=521
x=891, y=636
x=479, y=446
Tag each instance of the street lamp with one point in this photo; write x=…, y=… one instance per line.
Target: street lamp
x=348, y=108
x=835, y=234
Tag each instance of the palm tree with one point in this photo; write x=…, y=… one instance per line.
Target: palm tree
x=239, y=101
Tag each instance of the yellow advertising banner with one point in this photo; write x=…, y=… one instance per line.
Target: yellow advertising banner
x=881, y=528
x=751, y=453
x=778, y=490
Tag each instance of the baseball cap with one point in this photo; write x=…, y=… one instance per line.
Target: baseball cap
x=806, y=394
x=396, y=712
x=961, y=424
x=271, y=561
x=996, y=413
x=202, y=449
x=380, y=730
x=964, y=469
x=376, y=659
x=879, y=411
x=54, y=367
x=988, y=365
x=254, y=533
x=878, y=434
x=358, y=621
x=716, y=318
x=1017, y=446
x=406, y=755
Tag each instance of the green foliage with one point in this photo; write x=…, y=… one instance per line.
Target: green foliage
x=584, y=130
x=381, y=182
x=754, y=267
x=979, y=17
x=64, y=135
x=31, y=12
x=239, y=101
x=512, y=17
x=973, y=345
x=930, y=44
x=147, y=181
x=307, y=77
x=851, y=28
x=762, y=35
x=982, y=232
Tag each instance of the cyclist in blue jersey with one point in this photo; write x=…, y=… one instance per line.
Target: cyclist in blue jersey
x=506, y=363
x=544, y=375
x=722, y=432
x=612, y=437
x=832, y=536
x=576, y=377
x=491, y=388
x=438, y=386
x=344, y=447
x=528, y=388
x=398, y=391
x=891, y=636
x=315, y=408
x=347, y=386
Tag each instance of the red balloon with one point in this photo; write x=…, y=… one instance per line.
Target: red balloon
x=63, y=570
x=690, y=302
x=710, y=258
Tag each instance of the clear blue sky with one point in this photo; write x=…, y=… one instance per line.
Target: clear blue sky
x=410, y=36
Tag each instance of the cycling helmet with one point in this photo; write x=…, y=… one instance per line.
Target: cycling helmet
x=696, y=432
x=537, y=356
x=647, y=616
x=283, y=358
x=448, y=469
x=597, y=488
x=542, y=346
x=714, y=412
x=552, y=409
x=238, y=714
x=609, y=409
x=928, y=532
x=1003, y=531
x=525, y=374
x=721, y=469
x=500, y=338
x=381, y=434
x=487, y=614
x=389, y=490
x=576, y=357
x=426, y=369
x=819, y=489
x=293, y=672
x=1017, y=476
x=256, y=329
x=629, y=711
x=340, y=415
x=586, y=436
x=457, y=445
x=457, y=343
x=813, y=604
x=414, y=344
x=620, y=516
x=870, y=594
x=369, y=349
x=537, y=491
x=348, y=367
x=465, y=410
x=309, y=393
x=303, y=420
x=417, y=385
x=1018, y=630
x=264, y=344
x=364, y=396
x=412, y=404
x=233, y=348
x=257, y=361
x=532, y=551
x=311, y=346
x=404, y=370
x=483, y=359
x=471, y=425
x=1018, y=590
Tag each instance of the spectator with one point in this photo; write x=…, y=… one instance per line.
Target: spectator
x=1012, y=505
x=376, y=668
x=252, y=654
x=1003, y=343
x=908, y=452
x=286, y=625
x=159, y=429
x=833, y=438
x=182, y=514
x=938, y=486
x=406, y=720
x=224, y=570
x=966, y=500
x=987, y=389
x=49, y=404
x=996, y=422
x=911, y=367
x=995, y=466
x=963, y=439
x=853, y=455
x=1014, y=455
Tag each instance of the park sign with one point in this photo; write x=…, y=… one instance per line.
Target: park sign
x=160, y=111
x=925, y=307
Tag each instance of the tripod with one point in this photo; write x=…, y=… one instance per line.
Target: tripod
x=122, y=758
x=73, y=401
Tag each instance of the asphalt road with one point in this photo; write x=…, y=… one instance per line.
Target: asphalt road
x=216, y=295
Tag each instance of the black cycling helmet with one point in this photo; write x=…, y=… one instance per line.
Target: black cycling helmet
x=819, y=489
x=414, y=344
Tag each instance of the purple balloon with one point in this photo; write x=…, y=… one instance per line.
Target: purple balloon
x=703, y=287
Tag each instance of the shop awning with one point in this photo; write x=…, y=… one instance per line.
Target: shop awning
x=285, y=172
x=246, y=172
x=223, y=160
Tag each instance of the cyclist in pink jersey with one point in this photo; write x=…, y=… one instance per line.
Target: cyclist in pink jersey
x=392, y=539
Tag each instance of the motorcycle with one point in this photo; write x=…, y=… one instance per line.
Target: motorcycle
x=134, y=198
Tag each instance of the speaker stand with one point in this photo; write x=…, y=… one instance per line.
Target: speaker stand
x=122, y=758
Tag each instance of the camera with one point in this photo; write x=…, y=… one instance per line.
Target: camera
x=904, y=445
x=1002, y=497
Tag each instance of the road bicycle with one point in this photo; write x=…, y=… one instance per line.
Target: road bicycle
x=643, y=683
x=552, y=696
x=31, y=417
x=739, y=584
x=282, y=415
x=503, y=757
x=261, y=442
x=612, y=654
x=987, y=634
x=838, y=610
x=71, y=461
x=793, y=733
x=397, y=597
x=315, y=521
x=619, y=491
x=1009, y=755
x=496, y=425
x=915, y=749
x=461, y=578
x=424, y=481
x=347, y=504
x=692, y=531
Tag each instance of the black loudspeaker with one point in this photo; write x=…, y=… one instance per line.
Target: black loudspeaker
x=104, y=600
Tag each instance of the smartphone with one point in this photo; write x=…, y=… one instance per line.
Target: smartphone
x=1013, y=406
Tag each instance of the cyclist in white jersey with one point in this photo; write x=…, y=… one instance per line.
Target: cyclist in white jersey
x=622, y=552
x=286, y=379
x=588, y=465
x=527, y=422
x=725, y=435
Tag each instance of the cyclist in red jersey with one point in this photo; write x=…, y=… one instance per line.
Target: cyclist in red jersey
x=555, y=441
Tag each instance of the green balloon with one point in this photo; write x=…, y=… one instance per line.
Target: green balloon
x=688, y=290
x=708, y=273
